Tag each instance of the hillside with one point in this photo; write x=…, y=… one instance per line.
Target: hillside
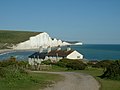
x=14, y=37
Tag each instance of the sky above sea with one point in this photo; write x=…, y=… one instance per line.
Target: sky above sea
x=89, y=21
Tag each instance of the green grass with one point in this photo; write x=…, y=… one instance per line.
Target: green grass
x=105, y=83
x=38, y=81
x=15, y=37
x=45, y=79
x=14, y=80
x=56, y=68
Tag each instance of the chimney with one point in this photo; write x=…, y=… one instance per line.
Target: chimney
x=68, y=48
x=40, y=49
x=49, y=49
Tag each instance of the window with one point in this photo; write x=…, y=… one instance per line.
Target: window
x=78, y=56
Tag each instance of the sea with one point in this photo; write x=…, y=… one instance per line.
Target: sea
x=90, y=52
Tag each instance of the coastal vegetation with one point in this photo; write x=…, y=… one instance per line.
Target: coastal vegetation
x=96, y=70
x=106, y=84
x=108, y=68
x=67, y=63
x=111, y=68
x=15, y=76
x=8, y=38
x=107, y=72
x=72, y=64
x=112, y=71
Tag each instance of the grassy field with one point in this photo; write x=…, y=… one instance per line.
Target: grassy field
x=15, y=37
x=16, y=79
x=105, y=83
x=40, y=80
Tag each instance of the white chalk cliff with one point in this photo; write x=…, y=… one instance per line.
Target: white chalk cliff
x=42, y=39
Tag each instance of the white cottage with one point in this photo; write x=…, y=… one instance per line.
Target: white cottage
x=54, y=55
x=37, y=58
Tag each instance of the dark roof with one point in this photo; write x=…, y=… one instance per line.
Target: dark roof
x=60, y=53
x=53, y=53
x=37, y=54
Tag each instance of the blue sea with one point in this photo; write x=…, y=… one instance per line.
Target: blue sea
x=99, y=51
x=90, y=52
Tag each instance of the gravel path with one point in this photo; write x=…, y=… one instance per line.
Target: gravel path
x=75, y=81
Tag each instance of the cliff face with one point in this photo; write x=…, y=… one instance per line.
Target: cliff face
x=42, y=39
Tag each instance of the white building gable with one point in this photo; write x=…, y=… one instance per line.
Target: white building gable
x=75, y=55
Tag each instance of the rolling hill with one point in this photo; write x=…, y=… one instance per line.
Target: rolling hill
x=8, y=37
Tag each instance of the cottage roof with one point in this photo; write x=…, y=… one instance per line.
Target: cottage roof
x=60, y=53
x=53, y=53
x=38, y=55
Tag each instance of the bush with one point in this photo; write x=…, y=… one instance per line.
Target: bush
x=72, y=64
x=2, y=72
x=63, y=62
x=47, y=62
x=112, y=71
x=76, y=65
x=22, y=64
x=12, y=62
x=102, y=64
x=12, y=72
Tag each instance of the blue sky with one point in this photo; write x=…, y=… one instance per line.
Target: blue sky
x=89, y=21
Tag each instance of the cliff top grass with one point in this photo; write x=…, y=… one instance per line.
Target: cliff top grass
x=15, y=37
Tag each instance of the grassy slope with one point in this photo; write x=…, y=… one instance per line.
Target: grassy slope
x=15, y=37
x=40, y=80
x=106, y=84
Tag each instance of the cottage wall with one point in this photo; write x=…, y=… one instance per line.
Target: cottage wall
x=75, y=55
x=34, y=61
x=53, y=59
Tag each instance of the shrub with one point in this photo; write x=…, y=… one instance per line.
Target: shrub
x=112, y=71
x=63, y=62
x=22, y=64
x=2, y=72
x=103, y=64
x=47, y=62
x=12, y=72
x=76, y=65
x=12, y=62
x=72, y=64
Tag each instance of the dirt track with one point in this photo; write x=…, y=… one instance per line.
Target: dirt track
x=75, y=81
